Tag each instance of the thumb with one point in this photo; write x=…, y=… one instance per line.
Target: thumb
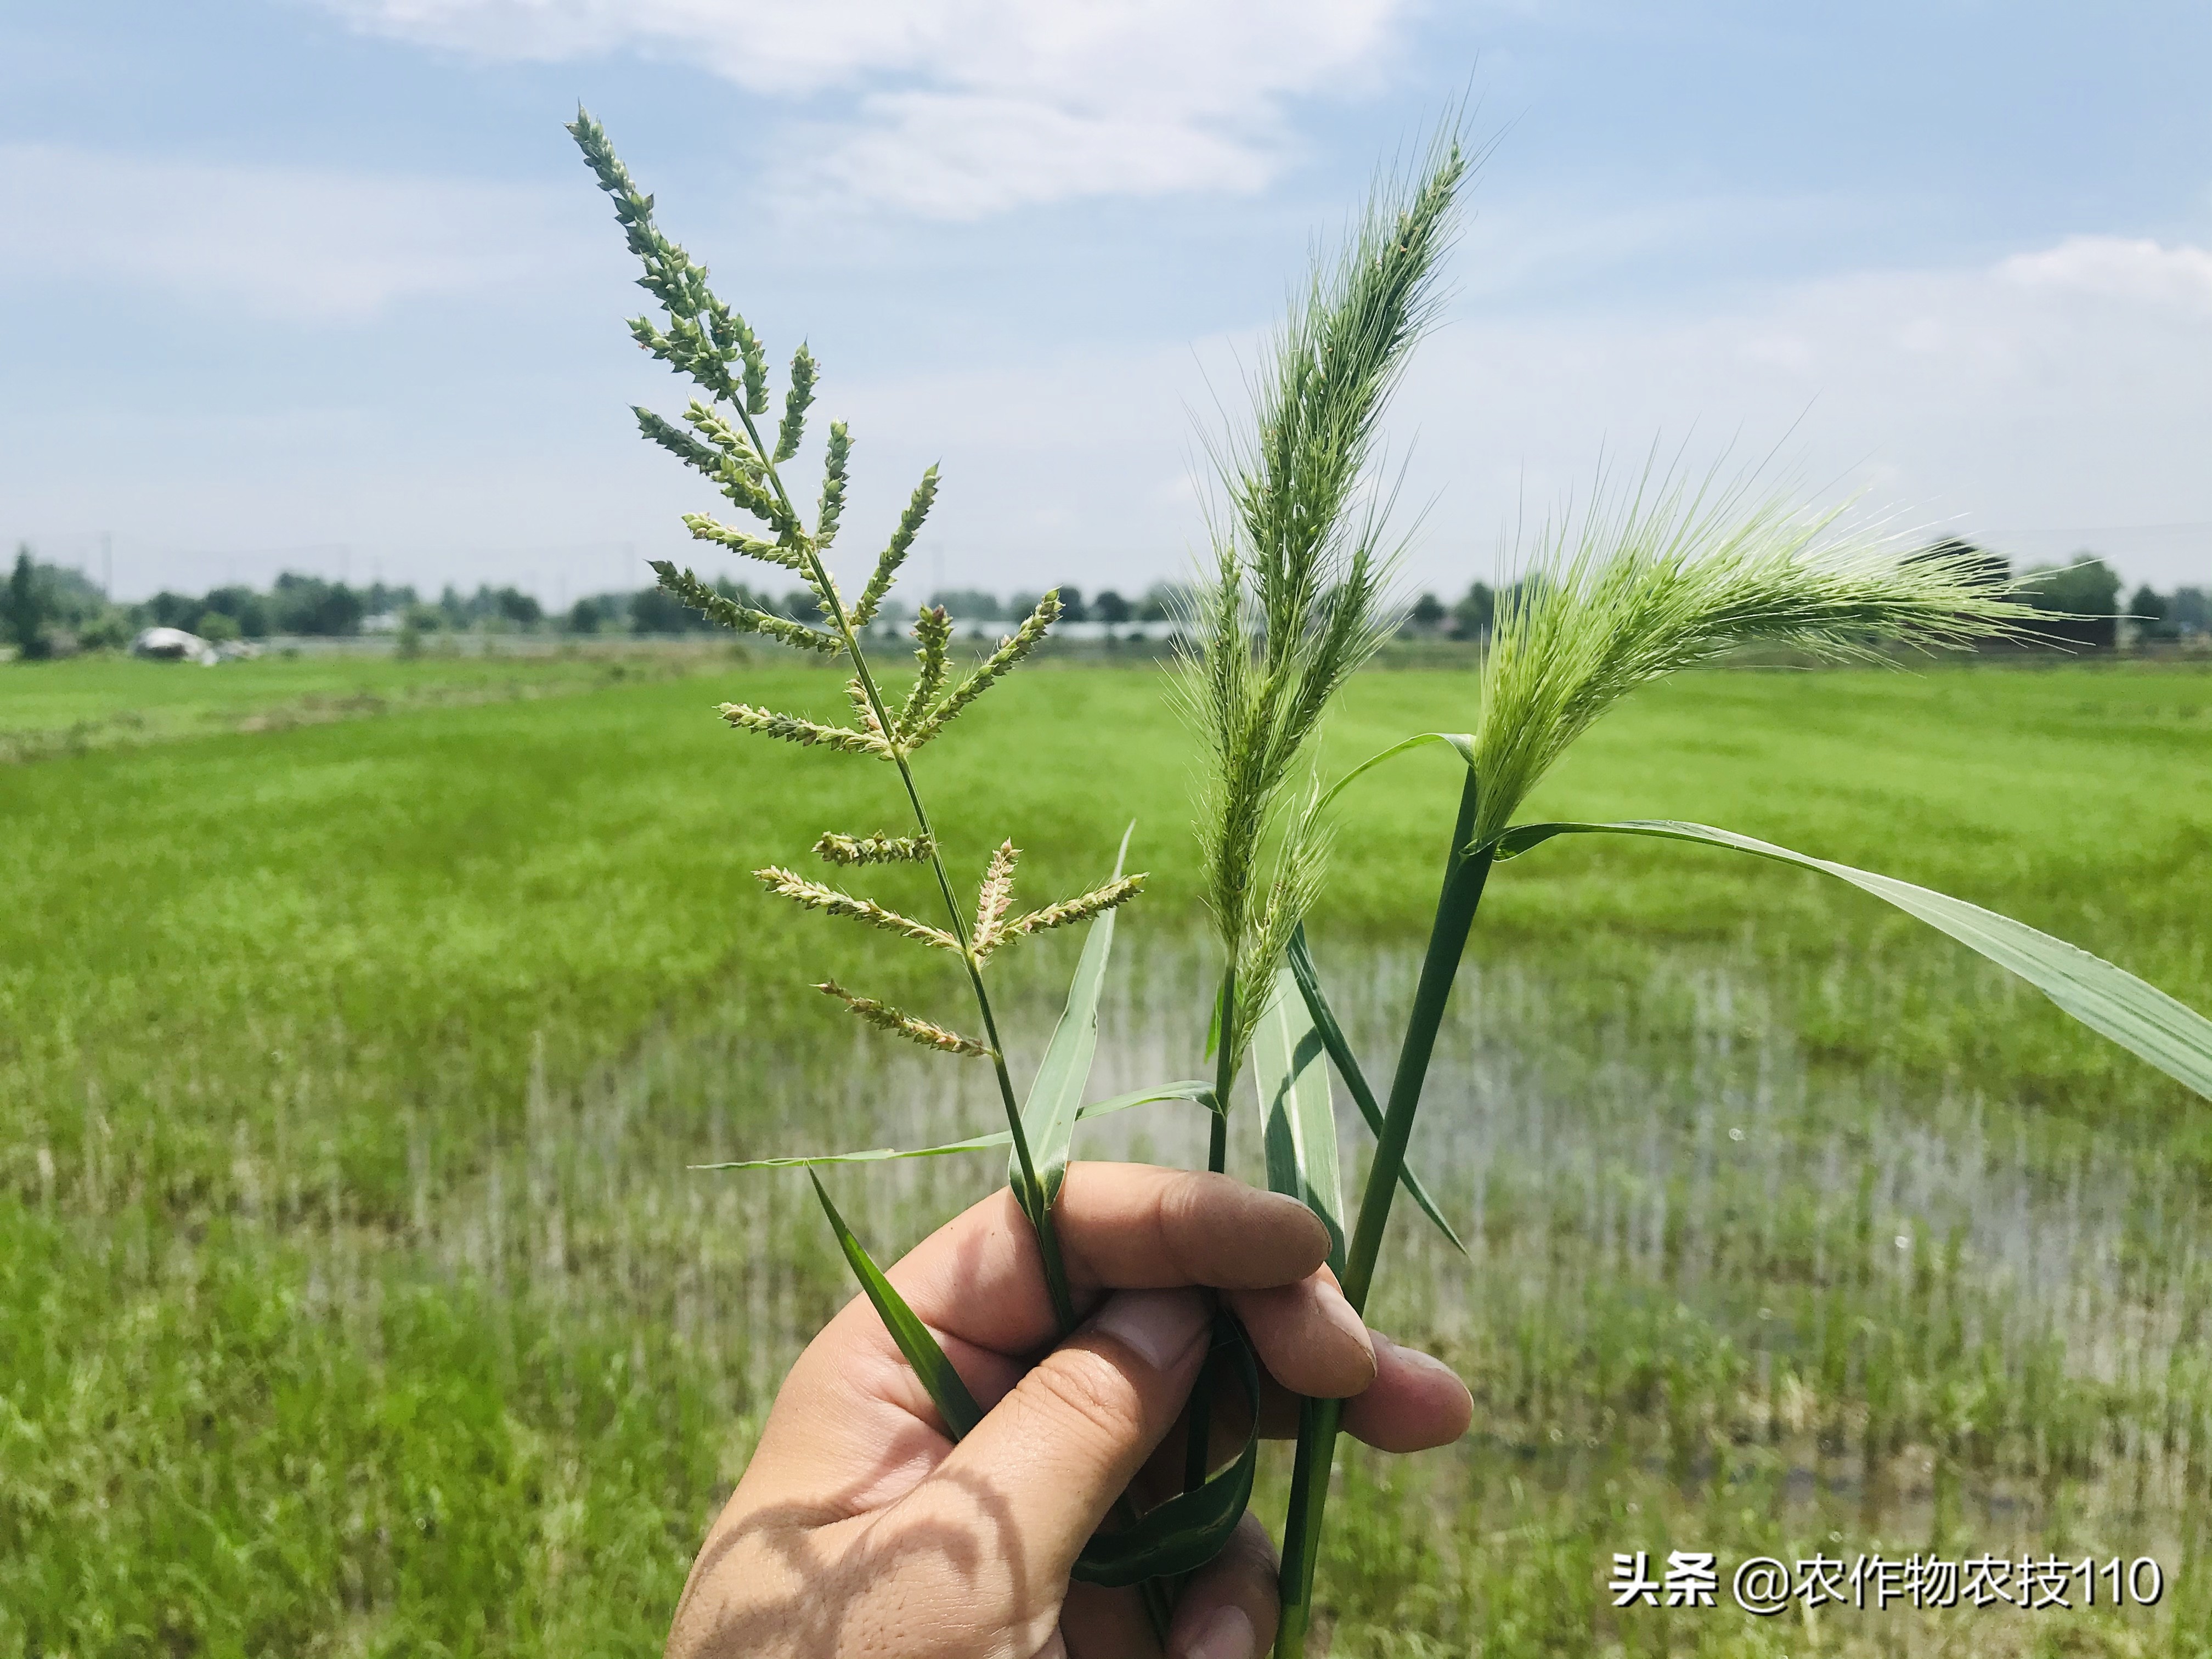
x=1056, y=1452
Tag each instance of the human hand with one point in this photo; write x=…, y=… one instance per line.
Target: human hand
x=859, y=1528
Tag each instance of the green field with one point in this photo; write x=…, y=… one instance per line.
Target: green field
x=104, y=702
x=356, y=1020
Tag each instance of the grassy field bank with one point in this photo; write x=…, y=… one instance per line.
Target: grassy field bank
x=352, y=1298
x=106, y=702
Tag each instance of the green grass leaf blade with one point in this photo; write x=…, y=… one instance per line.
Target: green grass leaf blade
x=1463, y=743
x=1187, y=1089
x=1186, y=1531
x=946, y=1391
x=1300, y=958
x=1298, y=1118
x=1049, y=1115
x=2136, y=1014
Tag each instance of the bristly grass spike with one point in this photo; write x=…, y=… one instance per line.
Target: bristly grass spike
x=1294, y=600
x=701, y=337
x=1637, y=585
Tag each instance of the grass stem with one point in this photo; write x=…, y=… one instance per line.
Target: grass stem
x=1198, y=1448
x=1466, y=874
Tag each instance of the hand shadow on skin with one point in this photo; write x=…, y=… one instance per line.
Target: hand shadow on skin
x=851, y=1586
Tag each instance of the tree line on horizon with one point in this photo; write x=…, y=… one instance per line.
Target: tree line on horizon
x=48, y=610
x=2082, y=599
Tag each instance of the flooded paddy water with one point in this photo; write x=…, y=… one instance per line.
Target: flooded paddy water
x=1718, y=1297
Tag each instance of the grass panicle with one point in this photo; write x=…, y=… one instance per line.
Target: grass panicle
x=1294, y=599
x=797, y=399
x=992, y=901
x=706, y=527
x=932, y=633
x=985, y=674
x=808, y=734
x=1069, y=912
x=1631, y=588
x=834, y=848
x=813, y=895
x=895, y=551
x=885, y=1018
x=700, y=456
x=832, y=507
x=700, y=336
x=720, y=609
x=1677, y=573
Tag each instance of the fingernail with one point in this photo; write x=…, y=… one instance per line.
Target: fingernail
x=1226, y=1633
x=1160, y=1326
x=1339, y=1313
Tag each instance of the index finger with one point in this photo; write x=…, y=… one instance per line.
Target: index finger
x=1123, y=1227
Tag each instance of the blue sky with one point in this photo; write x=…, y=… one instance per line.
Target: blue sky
x=319, y=284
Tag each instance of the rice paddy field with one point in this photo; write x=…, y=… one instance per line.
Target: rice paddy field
x=358, y=1019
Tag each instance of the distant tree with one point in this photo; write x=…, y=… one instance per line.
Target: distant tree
x=2081, y=602
x=1471, y=618
x=168, y=609
x=2152, y=615
x=1021, y=604
x=586, y=617
x=1072, y=608
x=111, y=630
x=2087, y=587
x=520, y=608
x=26, y=615
x=801, y=604
x=652, y=610
x=381, y=599
x=2189, y=612
x=308, y=604
x=217, y=627
x=1427, y=615
x=247, y=609
x=1110, y=607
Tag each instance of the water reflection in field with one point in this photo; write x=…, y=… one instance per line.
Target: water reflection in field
x=1719, y=1297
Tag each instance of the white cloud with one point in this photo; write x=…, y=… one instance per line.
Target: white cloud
x=2059, y=388
x=964, y=107
x=2118, y=268
x=290, y=242
x=2013, y=412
